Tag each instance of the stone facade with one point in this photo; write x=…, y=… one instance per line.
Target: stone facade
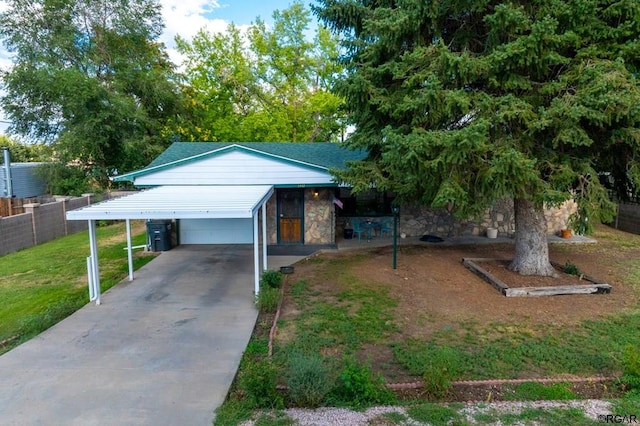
x=319, y=217
x=319, y=221
x=416, y=221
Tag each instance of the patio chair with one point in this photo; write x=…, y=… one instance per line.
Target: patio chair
x=357, y=229
x=386, y=227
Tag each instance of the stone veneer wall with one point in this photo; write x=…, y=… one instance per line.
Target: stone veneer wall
x=420, y=220
x=319, y=226
x=319, y=218
x=272, y=219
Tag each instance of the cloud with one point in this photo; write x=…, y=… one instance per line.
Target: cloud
x=186, y=18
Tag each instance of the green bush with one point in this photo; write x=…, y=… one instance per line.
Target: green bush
x=357, y=387
x=442, y=367
x=258, y=380
x=272, y=279
x=308, y=380
x=268, y=299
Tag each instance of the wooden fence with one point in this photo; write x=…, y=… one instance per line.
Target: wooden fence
x=14, y=206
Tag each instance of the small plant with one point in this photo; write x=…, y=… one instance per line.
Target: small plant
x=631, y=369
x=308, y=381
x=571, y=269
x=357, y=386
x=257, y=380
x=268, y=299
x=271, y=279
x=442, y=367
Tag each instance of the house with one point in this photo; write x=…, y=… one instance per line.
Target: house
x=301, y=209
x=229, y=193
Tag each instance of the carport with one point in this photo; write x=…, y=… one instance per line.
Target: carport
x=178, y=202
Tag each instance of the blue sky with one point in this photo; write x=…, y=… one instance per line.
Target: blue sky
x=186, y=17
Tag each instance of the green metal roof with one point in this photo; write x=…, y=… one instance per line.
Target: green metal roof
x=323, y=155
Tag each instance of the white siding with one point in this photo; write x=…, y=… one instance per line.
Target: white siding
x=216, y=231
x=236, y=168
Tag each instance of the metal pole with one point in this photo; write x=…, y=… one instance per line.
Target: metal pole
x=7, y=172
x=395, y=238
x=129, y=249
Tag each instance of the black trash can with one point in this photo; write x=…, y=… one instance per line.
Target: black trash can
x=348, y=234
x=159, y=235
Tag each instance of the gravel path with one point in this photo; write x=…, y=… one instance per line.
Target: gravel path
x=592, y=408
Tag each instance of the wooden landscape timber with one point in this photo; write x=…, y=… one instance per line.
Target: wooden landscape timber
x=595, y=286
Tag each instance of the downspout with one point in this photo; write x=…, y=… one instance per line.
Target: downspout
x=7, y=173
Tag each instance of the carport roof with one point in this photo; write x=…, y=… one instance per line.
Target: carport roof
x=180, y=202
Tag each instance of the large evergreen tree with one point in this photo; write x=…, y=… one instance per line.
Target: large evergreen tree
x=463, y=102
x=268, y=84
x=90, y=77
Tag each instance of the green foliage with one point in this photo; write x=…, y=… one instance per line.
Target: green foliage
x=96, y=83
x=533, y=391
x=62, y=179
x=357, y=386
x=233, y=412
x=435, y=414
x=571, y=269
x=462, y=103
x=631, y=368
x=308, y=379
x=272, y=85
x=441, y=367
x=268, y=299
x=24, y=153
x=271, y=279
x=258, y=380
x=549, y=416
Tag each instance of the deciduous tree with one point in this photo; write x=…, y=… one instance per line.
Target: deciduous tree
x=89, y=76
x=463, y=102
x=268, y=83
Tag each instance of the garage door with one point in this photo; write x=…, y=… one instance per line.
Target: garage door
x=216, y=231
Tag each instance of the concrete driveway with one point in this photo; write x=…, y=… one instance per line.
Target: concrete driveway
x=162, y=350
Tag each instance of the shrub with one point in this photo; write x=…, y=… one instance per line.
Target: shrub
x=258, y=380
x=442, y=367
x=271, y=279
x=357, y=386
x=268, y=299
x=308, y=381
x=571, y=269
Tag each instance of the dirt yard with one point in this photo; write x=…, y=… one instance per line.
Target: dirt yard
x=435, y=289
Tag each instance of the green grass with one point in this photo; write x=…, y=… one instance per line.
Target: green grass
x=41, y=285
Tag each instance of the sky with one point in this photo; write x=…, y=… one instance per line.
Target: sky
x=186, y=17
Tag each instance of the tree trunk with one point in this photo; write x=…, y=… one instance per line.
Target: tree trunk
x=532, y=250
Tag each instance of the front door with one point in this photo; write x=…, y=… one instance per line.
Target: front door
x=290, y=214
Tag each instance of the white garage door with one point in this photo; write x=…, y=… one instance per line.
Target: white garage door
x=216, y=231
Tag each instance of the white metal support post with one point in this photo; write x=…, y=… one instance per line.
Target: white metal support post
x=94, y=272
x=129, y=250
x=256, y=255
x=264, y=236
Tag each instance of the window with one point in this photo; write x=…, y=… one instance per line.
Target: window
x=371, y=203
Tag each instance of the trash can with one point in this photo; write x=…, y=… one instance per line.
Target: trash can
x=348, y=233
x=159, y=235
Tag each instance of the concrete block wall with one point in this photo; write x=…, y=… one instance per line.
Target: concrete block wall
x=48, y=221
x=16, y=233
x=40, y=223
x=74, y=226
